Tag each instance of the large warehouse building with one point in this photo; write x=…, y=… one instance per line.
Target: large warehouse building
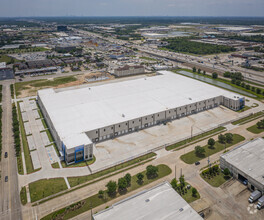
x=159, y=202
x=80, y=117
x=246, y=162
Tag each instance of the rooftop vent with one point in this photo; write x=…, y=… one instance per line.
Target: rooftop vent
x=123, y=115
x=89, y=88
x=190, y=98
x=147, y=200
x=181, y=209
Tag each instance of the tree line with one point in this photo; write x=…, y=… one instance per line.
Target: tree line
x=17, y=143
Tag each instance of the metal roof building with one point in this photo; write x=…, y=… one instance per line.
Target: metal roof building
x=101, y=112
x=246, y=162
x=159, y=202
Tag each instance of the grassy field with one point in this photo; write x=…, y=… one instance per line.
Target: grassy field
x=244, y=109
x=191, y=157
x=43, y=83
x=188, y=196
x=195, y=138
x=80, y=164
x=74, y=181
x=7, y=59
x=23, y=196
x=28, y=161
x=255, y=130
x=46, y=187
x=95, y=200
x=148, y=58
x=248, y=118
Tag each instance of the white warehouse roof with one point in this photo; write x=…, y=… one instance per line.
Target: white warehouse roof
x=159, y=202
x=249, y=158
x=78, y=110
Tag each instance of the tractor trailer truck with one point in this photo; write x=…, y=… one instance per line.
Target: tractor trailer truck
x=260, y=202
x=254, y=196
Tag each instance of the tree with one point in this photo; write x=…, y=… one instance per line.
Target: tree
x=152, y=171
x=194, y=69
x=194, y=192
x=199, y=71
x=248, y=87
x=128, y=178
x=111, y=187
x=221, y=138
x=122, y=184
x=140, y=177
x=211, y=142
x=101, y=193
x=199, y=150
x=182, y=181
x=258, y=91
x=174, y=183
x=214, y=75
x=260, y=124
x=226, y=172
x=204, y=72
x=229, y=137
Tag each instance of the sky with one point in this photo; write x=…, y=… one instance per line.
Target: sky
x=25, y=8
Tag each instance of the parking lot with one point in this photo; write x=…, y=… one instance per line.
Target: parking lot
x=134, y=144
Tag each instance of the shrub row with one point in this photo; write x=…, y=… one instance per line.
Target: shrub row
x=17, y=144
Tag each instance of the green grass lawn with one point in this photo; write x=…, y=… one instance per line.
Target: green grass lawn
x=248, y=118
x=191, y=157
x=74, y=181
x=43, y=83
x=197, y=137
x=216, y=180
x=55, y=165
x=84, y=205
x=23, y=196
x=244, y=109
x=28, y=161
x=188, y=197
x=255, y=130
x=7, y=59
x=148, y=58
x=80, y=164
x=46, y=187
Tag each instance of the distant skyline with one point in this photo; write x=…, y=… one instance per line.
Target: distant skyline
x=27, y=8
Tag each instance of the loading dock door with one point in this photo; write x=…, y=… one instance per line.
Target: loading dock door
x=241, y=178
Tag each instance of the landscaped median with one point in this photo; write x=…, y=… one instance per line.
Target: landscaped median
x=193, y=156
x=257, y=128
x=248, y=119
x=214, y=176
x=193, y=140
x=23, y=195
x=104, y=196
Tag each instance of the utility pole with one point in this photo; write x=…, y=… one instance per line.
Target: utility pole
x=175, y=172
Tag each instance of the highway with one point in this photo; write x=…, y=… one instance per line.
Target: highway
x=10, y=199
x=187, y=60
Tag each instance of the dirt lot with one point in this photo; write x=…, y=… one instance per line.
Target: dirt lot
x=30, y=88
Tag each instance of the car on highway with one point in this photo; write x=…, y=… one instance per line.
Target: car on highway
x=197, y=163
x=6, y=178
x=6, y=154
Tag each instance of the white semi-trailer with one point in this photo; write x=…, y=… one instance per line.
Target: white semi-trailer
x=260, y=202
x=254, y=196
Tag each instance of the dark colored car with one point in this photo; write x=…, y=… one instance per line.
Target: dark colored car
x=197, y=163
x=6, y=154
x=6, y=178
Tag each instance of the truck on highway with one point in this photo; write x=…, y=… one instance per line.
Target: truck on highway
x=254, y=196
x=260, y=202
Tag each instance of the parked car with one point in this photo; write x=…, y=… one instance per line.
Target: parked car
x=197, y=163
x=6, y=154
x=6, y=178
x=245, y=182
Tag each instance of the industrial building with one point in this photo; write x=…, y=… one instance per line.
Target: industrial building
x=245, y=162
x=129, y=70
x=159, y=202
x=80, y=117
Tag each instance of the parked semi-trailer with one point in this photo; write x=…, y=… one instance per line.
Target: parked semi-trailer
x=254, y=196
x=260, y=202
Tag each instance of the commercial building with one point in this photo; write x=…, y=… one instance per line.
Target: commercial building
x=80, y=117
x=36, y=71
x=159, y=202
x=129, y=70
x=245, y=162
